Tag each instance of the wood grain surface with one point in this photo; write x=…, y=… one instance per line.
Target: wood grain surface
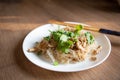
x=19, y=17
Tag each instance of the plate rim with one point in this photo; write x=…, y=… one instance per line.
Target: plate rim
x=89, y=67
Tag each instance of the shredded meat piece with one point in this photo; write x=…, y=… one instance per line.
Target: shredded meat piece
x=32, y=50
x=79, y=46
x=42, y=46
x=96, y=51
x=93, y=58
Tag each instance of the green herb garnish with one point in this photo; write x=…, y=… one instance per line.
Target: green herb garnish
x=47, y=38
x=63, y=38
x=55, y=63
x=90, y=37
x=78, y=29
x=64, y=46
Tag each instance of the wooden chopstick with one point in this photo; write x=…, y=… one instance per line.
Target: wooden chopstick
x=73, y=25
x=106, y=31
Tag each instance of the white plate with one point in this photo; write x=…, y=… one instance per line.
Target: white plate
x=37, y=35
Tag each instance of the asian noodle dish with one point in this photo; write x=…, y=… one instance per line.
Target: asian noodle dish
x=68, y=45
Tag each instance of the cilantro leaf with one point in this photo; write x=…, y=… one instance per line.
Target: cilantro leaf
x=90, y=37
x=64, y=46
x=55, y=63
x=79, y=27
x=63, y=37
x=47, y=38
x=56, y=35
x=66, y=39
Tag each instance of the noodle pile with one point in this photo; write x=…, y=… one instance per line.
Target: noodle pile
x=67, y=45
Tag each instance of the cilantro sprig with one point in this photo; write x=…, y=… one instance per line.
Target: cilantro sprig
x=55, y=63
x=90, y=37
x=47, y=38
x=63, y=38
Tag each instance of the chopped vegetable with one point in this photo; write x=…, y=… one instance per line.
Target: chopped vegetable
x=64, y=46
x=90, y=37
x=79, y=27
x=55, y=63
x=47, y=38
x=56, y=35
x=63, y=37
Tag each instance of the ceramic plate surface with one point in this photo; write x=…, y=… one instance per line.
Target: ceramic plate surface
x=37, y=35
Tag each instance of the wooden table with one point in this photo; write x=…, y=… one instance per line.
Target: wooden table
x=19, y=17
